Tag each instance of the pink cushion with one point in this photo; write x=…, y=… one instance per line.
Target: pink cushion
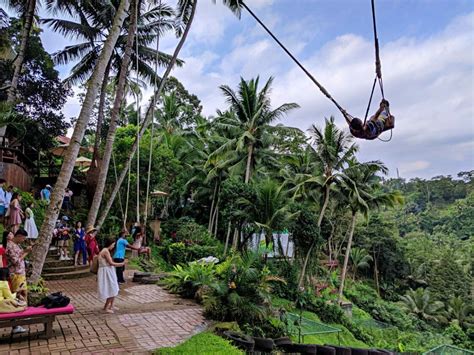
x=38, y=311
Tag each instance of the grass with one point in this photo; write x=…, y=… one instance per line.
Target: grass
x=204, y=344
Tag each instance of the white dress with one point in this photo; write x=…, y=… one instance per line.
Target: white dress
x=30, y=225
x=107, y=285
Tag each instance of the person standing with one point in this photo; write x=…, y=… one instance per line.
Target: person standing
x=80, y=244
x=63, y=239
x=3, y=202
x=46, y=194
x=107, y=285
x=16, y=213
x=30, y=224
x=67, y=200
x=119, y=256
x=91, y=243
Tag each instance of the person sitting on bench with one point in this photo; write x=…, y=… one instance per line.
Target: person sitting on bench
x=379, y=122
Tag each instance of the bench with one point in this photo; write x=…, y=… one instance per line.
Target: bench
x=35, y=315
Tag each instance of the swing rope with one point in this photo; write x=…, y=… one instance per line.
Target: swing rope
x=124, y=219
x=138, y=119
x=150, y=157
x=311, y=77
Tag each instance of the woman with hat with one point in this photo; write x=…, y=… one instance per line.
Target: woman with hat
x=91, y=243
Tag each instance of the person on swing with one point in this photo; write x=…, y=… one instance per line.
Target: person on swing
x=376, y=124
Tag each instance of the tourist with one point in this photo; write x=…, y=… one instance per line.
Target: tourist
x=7, y=236
x=67, y=200
x=91, y=243
x=80, y=244
x=16, y=213
x=63, y=239
x=46, y=194
x=138, y=241
x=16, y=260
x=30, y=224
x=3, y=202
x=107, y=285
x=119, y=256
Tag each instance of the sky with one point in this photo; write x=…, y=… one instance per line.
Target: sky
x=427, y=54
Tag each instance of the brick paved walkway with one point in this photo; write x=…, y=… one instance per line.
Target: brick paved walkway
x=148, y=318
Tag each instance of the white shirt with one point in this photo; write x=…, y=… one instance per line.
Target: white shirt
x=8, y=198
x=3, y=199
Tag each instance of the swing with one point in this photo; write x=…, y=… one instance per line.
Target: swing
x=389, y=122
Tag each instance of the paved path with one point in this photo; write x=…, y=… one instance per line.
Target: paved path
x=148, y=318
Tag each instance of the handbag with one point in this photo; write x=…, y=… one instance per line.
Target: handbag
x=55, y=300
x=95, y=264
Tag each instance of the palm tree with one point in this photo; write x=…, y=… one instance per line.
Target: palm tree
x=360, y=259
x=251, y=119
x=362, y=191
x=27, y=10
x=461, y=311
x=41, y=249
x=419, y=303
x=333, y=150
x=119, y=96
x=187, y=10
x=185, y=16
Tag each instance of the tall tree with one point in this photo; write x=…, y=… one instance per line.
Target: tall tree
x=361, y=190
x=41, y=248
x=333, y=150
x=187, y=10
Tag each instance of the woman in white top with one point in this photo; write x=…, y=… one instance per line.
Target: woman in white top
x=107, y=283
x=30, y=224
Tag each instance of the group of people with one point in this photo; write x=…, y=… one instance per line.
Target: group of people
x=45, y=195
x=12, y=214
x=111, y=264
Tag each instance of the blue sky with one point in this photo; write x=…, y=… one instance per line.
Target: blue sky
x=427, y=51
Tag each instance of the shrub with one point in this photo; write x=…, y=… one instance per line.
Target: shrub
x=289, y=272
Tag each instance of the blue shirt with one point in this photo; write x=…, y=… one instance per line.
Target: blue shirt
x=46, y=194
x=120, y=246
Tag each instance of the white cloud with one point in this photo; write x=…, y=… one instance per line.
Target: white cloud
x=413, y=167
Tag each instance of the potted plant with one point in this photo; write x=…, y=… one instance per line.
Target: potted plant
x=36, y=292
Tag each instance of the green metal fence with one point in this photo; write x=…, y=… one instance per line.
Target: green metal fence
x=301, y=326
x=448, y=350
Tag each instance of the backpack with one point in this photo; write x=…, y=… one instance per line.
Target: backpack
x=55, y=300
x=95, y=264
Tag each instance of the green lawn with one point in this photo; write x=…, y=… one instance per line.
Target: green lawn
x=203, y=343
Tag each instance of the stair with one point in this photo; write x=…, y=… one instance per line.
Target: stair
x=55, y=269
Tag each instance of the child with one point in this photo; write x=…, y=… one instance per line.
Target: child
x=30, y=224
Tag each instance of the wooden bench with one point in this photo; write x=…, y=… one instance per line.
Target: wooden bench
x=35, y=315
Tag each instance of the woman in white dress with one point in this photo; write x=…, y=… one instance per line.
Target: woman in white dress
x=108, y=287
x=30, y=224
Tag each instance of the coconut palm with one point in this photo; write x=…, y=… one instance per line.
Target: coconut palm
x=41, y=248
x=333, y=149
x=251, y=120
x=360, y=259
x=361, y=191
x=419, y=303
x=26, y=9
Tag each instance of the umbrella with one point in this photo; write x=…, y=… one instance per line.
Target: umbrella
x=83, y=162
x=60, y=150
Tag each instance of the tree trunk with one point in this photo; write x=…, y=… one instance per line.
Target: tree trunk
x=211, y=213
x=94, y=170
x=148, y=118
x=320, y=220
x=235, y=240
x=376, y=275
x=109, y=142
x=18, y=62
x=346, y=257
x=227, y=237
x=249, y=164
x=41, y=248
x=216, y=220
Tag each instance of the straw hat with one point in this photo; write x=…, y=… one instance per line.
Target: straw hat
x=90, y=229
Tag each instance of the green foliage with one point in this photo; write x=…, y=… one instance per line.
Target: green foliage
x=420, y=303
x=204, y=343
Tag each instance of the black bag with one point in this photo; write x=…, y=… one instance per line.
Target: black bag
x=55, y=300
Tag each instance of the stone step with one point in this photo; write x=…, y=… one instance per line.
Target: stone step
x=67, y=275
x=63, y=269
x=55, y=263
